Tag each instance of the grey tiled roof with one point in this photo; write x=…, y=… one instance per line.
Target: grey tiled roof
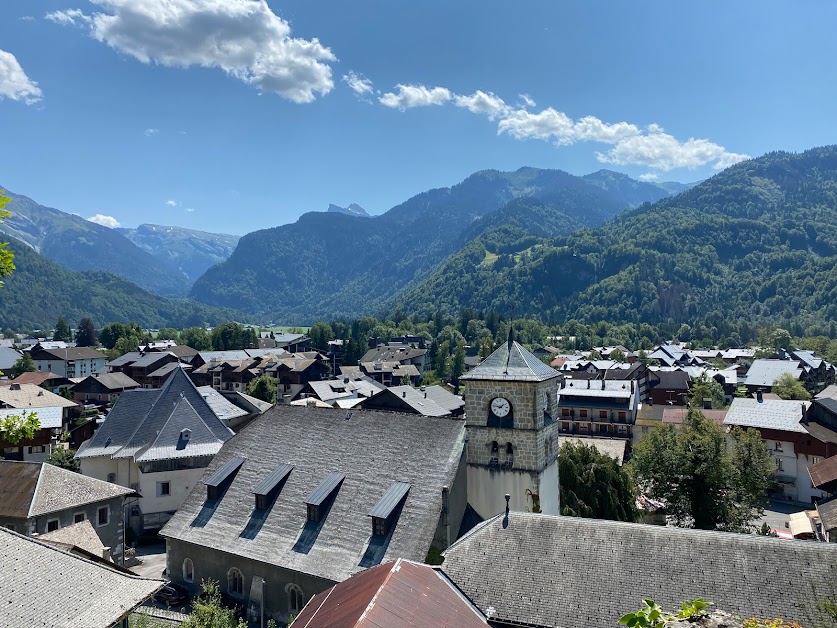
x=42, y=585
x=775, y=414
x=416, y=400
x=395, y=353
x=115, y=381
x=584, y=573
x=168, y=368
x=8, y=357
x=512, y=362
x=79, y=535
x=372, y=449
x=32, y=489
x=136, y=419
x=827, y=511
x=171, y=444
x=221, y=406
x=126, y=358
x=444, y=398
x=765, y=372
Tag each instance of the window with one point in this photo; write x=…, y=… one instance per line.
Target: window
x=602, y=414
x=79, y=517
x=495, y=451
x=235, y=582
x=583, y=414
x=103, y=516
x=188, y=570
x=295, y=599
x=779, y=465
x=565, y=412
x=163, y=489
x=644, y=429
x=777, y=446
x=52, y=524
x=815, y=459
x=112, y=478
x=622, y=416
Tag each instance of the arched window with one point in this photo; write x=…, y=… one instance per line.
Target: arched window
x=509, y=454
x=235, y=582
x=495, y=452
x=188, y=570
x=295, y=599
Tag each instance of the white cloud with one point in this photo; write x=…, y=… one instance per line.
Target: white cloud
x=190, y=209
x=14, y=84
x=550, y=124
x=27, y=18
x=649, y=176
x=150, y=132
x=358, y=83
x=244, y=38
x=527, y=102
x=409, y=96
x=483, y=102
x=171, y=203
x=105, y=221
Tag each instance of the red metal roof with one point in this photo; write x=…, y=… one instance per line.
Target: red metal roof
x=397, y=594
x=824, y=472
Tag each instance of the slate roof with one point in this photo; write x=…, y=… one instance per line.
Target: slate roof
x=39, y=352
x=521, y=566
x=444, y=398
x=168, y=368
x=373, y=450
x=827, y=511
x=398, y=594
x=222, y=407
x=769, y=414
x=415, y=399
x=32, y=489
x=393, y=353
x=115, y=381
x=824, y=472
x=829, y=392
x=81, y=535
x=48, y=418
x=31, y=396
x=75, y=592
x=511, y=362
x=670, y=380
x=139, y=415
x=126, y=358
x=765, y=372
x=8, y=357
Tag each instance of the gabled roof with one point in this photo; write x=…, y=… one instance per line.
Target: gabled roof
x=827, y=510
x=32, y=489
x=76, y=592
x=29, y=396
x=392, y=353
x=164, y=370
x=824, y=472
x=35, y=378
x=768, y=414
x=765, y=372
x=8, y=357
x=398, y=594
x=81, y=535
x=663, y=379
x=517, y=564
x=173, y=440
x=136, y=420
x=114, y=381
x=372, y=449
x=70, y=353
x=222, y=407
x=413, y=399
x=512, y=362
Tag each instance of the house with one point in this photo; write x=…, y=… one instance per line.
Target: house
x=43, y=585
x=399, y=593
x=793, y=447
x=674, y=355
x=36, y=498
x=535, y=570
x=302, y=498
x=157, y=442
x=8, y=357
x=292, y=343
x=141, y=366
x=391, y=373
x=603, y=408
x=358, y=387
x=70, y=361
x=53, y=416
x=46, y=380
x=668, y=386
x=438, y=402
x=824, y=475
x=102, y=389
x=402, y=353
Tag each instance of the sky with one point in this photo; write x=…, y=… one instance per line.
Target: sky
x=236, y=115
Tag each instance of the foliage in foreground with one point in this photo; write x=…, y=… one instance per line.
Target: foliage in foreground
x=17, y=427
x=651, y=615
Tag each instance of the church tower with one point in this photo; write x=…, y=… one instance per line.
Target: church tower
x=510, y=399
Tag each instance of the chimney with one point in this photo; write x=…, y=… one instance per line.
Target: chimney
x=404, y=394
x=707, y=403
x=588, y=384
x=759, y=396
x=603, y=384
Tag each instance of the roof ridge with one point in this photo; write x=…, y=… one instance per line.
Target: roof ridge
x=396, y=566
x=35, y=492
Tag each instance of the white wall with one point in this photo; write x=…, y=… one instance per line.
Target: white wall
x=487, y=488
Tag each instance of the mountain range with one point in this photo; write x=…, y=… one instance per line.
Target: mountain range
x=352, y=210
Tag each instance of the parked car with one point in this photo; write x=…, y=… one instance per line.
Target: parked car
x=172, y=595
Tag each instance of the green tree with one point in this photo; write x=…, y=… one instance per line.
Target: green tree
x=197, y=338
x=705, y=482
x=86, y=333
x=617, y=355
x=457, y=366
x=443, y=361
x=209, y=612
x=704, y=387
x=25, y=364
x=594, y=485
x=263, y=388
x=168, y=333
x=232, y=336
x=17, y=427
x=6, y=256
x=780, y=339
x=65, y=459
x=320, y=333
x=62, y=331
x=788, y=387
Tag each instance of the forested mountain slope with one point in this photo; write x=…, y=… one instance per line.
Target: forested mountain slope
x=329, y=265
x=78, y=244
x=40, y=291
x=756, y=242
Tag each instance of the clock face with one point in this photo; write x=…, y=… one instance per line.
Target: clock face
x=500, y=407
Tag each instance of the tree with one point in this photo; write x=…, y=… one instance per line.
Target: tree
x=705, y=482
x=593, y=485
x=25, y=364
x=617, y=355
x=86, y=333
x=443, y=361
x=17, y=427
x=704, y=387
x=788, y=387
x=6, y=256
x=457, y=366
x=62, y=331
x=263, y=388
x=780, y=339
x=209, y=612
x=320, y=333
x=64, y=458
x=232, y=336
x=168, y=333
x=197, y=338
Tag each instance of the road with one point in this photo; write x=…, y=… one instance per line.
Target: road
x=153, y=559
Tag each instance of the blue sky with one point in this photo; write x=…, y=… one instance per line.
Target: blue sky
x=231, y=115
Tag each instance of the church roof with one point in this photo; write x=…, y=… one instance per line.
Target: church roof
x=512, y=362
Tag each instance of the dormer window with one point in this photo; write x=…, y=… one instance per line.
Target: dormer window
x=185, y=435
x=320, y=500
x=267, y=490
x=219, y=482
x=385, y=513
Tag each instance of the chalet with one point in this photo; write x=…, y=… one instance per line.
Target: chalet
x=429, y=401
x=68, y=362
x=157, y=442
x=511, y=566
x=603, y=408
x=102, y=389
x=43, y=585
x=46, y=380
x=668, y=387
x=329, y=391
x=302, y=498
x=404, y=354
x=827, y=513
x=36, y=497
x=674, y=355
x=143, y=367
x=391, y=373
